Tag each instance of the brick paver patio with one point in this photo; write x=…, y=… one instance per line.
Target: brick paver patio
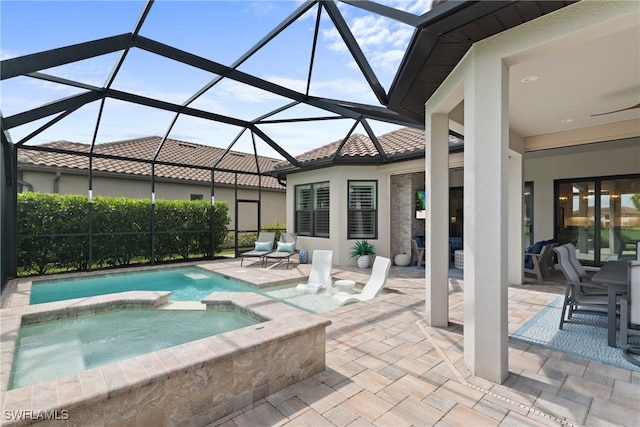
x=386, y=367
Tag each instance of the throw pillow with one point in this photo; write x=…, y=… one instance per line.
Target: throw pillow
x=286, y=247
x=263, y=246
x=537, y=247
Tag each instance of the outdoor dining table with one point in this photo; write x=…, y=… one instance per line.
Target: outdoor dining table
x=613, y=274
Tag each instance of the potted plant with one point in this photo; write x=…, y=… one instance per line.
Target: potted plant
x=361, y=251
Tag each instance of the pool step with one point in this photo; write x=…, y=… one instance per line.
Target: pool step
x=183, y=305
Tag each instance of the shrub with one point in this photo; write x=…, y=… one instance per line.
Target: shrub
x=54, y=231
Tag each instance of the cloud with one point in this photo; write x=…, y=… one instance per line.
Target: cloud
x=417, y=7
x=6, y=54
x=244, y=93
x=382, y=40
x=338, y=88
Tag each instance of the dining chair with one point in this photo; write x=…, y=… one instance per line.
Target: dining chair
x=582, y=273
x=630, y=314
x=576, y=302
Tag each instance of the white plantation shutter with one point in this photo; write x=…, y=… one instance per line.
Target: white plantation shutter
x=321, y=212
x=312, y=209
x=363, y=213
x=303, y=210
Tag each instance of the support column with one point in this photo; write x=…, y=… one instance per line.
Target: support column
x=437, y=219
x=8, y=207
x=486, y=172
x=516, y=219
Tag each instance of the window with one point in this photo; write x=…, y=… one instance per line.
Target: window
x=312, y=209
x=456, y=212
x=528, y=214
x=600, y=216
x=363, y=210
x=196, y=197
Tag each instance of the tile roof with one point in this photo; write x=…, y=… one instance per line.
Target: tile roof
x=173, y=151
x=398, y=144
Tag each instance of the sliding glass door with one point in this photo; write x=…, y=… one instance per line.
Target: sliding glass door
x=576, y=217
x=619, y=218
x=600, y=216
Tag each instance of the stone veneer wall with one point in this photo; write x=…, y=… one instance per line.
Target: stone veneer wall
x=401, y=214
x=404, y=224
x=195, y=383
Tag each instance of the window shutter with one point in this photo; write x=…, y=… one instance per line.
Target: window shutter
x=312, y=209
x=362, y=215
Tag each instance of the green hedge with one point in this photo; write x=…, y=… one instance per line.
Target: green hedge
x=248, y=239
x=53, y=231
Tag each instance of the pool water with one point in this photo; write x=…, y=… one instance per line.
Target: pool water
x=313, y=303
x=186, y=283
x=49, y=350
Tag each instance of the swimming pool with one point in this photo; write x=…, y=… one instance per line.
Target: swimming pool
x=52, y=349
x=185, y=283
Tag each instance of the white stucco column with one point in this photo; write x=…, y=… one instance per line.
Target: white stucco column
x=437, y=219
x=486, y=171
x=515, y=219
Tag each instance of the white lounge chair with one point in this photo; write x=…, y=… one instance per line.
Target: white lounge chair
x=320, y=276
x=374, y=286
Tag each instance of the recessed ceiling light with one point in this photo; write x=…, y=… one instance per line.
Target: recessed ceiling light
x=566, y=120
x=530, y=79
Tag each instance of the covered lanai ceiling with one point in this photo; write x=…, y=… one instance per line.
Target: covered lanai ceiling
x=202, y=80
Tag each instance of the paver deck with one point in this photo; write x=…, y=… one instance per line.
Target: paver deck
x=386, y=367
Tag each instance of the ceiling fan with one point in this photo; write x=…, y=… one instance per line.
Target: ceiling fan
x=617, y=111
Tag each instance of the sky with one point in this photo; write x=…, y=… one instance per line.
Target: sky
x=221, y=31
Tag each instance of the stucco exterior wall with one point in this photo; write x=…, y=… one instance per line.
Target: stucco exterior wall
x=272, y=207
x=338, y=178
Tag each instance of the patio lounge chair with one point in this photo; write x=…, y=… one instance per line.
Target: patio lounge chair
x=576, y=302
x=320, y=275
x=286, y=248
x=379, y=274
x=538, y=260
x=263, y=245
x=630, y=314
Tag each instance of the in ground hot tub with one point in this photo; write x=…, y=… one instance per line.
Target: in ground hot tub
x=198, y=381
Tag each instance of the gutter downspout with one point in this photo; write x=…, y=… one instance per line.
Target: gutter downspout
x=26, y=184
x=56, y=183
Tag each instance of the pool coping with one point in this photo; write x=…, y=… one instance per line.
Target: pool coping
x=73, y=391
